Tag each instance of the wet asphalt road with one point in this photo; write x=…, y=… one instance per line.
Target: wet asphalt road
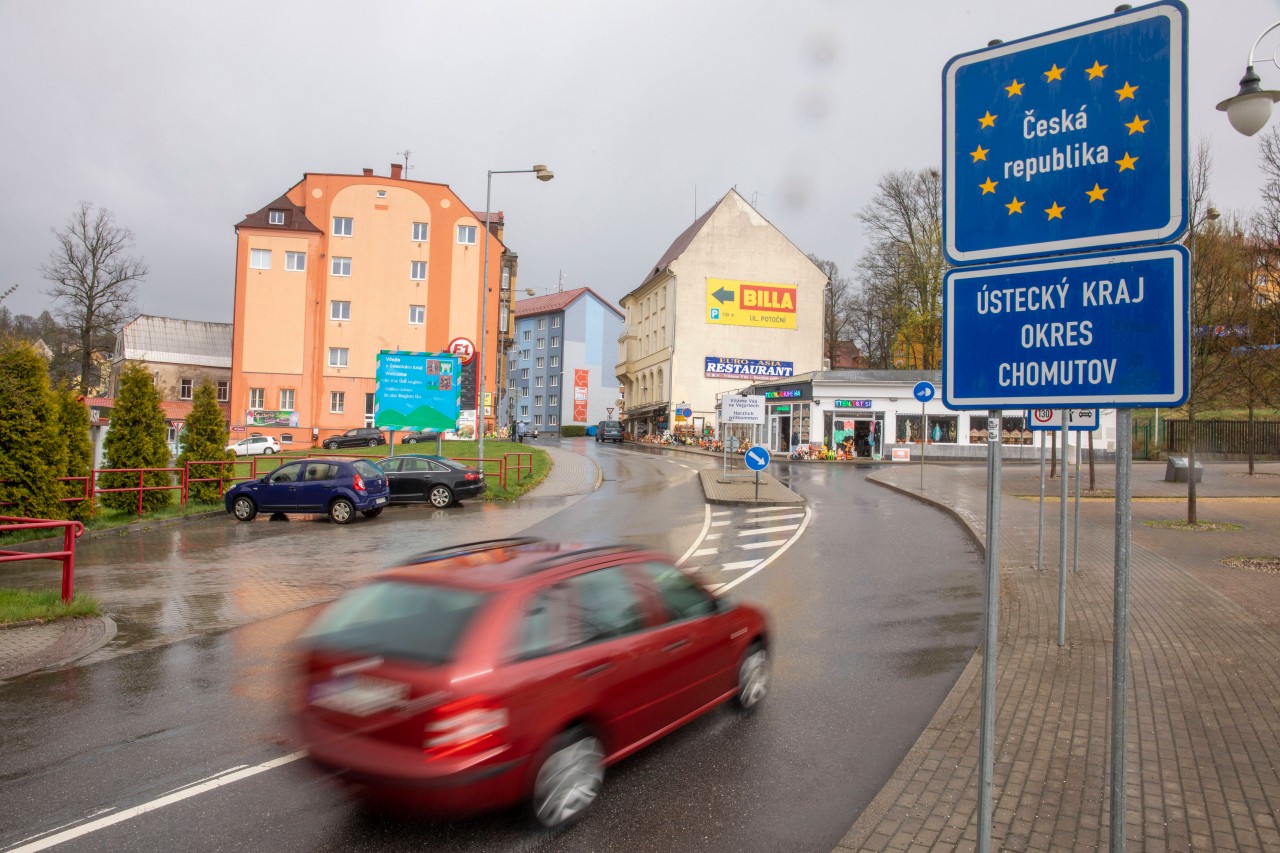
x=875, y=611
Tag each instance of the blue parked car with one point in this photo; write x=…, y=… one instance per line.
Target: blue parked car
x=338, y=487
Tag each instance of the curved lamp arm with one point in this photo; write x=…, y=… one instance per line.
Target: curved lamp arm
x=1250, y=109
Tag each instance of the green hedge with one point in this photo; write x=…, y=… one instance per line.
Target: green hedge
x=571, y=430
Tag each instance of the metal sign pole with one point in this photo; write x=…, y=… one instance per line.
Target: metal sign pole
x=986, y=762
x=1075, y=544
x=757, y=485
x=1040, y=532
x=1120, y=639
x=1062, y=540
x=924, y=439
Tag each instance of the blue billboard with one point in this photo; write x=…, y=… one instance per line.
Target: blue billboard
x=1071, y=140
x=1105, y=330
x=417, y=390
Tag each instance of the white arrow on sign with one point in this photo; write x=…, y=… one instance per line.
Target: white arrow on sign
x=756, y=458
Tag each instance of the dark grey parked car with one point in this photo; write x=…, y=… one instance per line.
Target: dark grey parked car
x=609, y=431
x=358, y=437
x=420, y=436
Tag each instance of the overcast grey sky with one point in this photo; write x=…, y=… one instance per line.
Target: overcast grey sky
x=182, y=117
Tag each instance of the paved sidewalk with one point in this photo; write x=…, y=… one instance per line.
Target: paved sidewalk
x=572, y=473
x=742, y=490
x=1204, y=646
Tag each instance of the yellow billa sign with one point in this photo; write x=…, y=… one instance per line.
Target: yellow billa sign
x=751, y=303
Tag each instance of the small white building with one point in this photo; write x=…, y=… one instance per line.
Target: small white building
x=874, y=412
x=730, y=300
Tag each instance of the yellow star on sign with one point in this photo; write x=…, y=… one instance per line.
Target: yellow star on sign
x=1015, y=206
x=989, y=186
x=980, y=154
x=1015, y=88
x=1126, y=162
x=1054, y=212
x=1138, y=125
x=987, y=120
x=1054, y=73
x=1095, y=194
x=1096, y=70
x=1127, y=91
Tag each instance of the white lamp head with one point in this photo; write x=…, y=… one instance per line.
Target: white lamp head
x=542, y=173
x=1250, y=109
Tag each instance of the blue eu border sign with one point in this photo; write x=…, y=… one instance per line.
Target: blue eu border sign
x=1068, y=141
x=1097, y=331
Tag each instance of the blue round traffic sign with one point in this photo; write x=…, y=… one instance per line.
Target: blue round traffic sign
x=757, y=458
x=924, y=391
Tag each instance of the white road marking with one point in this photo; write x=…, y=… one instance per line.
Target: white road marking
x=703, y=552
x=723, y=512
x=765, y=519
x=772, y=543
x=808, y=516
x=737, y=567
x=768, y=509
x=210, y=784
x=761, y=530
x=714, y=535
x=706, y=525
x=719, y=523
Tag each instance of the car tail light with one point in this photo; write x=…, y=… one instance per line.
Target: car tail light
x=464, y=727
x=358, y=485
x=472, y=476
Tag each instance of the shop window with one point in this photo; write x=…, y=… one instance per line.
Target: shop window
x=286, y=438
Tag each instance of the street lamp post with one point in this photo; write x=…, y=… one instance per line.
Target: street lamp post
x=543, y=174
x=1249, y=110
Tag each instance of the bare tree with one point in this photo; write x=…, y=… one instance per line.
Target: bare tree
x=94, y=278
x=837, y=304
x=901, y=272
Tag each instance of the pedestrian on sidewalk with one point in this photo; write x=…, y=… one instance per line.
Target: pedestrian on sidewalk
x=795, y=444
x=520, y=432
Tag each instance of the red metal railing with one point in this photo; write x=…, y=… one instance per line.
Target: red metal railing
x=523, y=463
x=71, y=531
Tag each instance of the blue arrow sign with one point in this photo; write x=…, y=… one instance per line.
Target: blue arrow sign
x=1070, y=140
x=1087, y=331
x=924, y=391
x=757, y=458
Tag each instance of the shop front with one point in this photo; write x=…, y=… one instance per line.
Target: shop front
x=788, y=410
x=854, y=429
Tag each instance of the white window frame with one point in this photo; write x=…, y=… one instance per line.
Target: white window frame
x=417, y=315
x=417, y=270
x=537, y=382
x=259, y=259
x=553, y=420
x=186, y=388
x=524, y=392
x=467, y=235
x=340, y=266
x=420, y=232
x=339, y=309
x=275, y=217
x=542, y=343
x=555, y=361
x=224, y=390
x=343, y=226
x=555, y=341
x=553, y=399
x=295, y=261
x=524, y=373
x=542, y=323
x=256, y=396
x=287, y=399
x=337, y=402
x=537, y=420
x=339, y=356
x=537, y=400
x=555, y=380
x=555, y=322
x=528, y=334
x=540, y=362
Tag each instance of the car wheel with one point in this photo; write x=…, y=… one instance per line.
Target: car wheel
x=341, y=511
x=372, y=513
x=440, y=496
x=373, y=442
x=329, y=445
x=244, y=509
x=753, y=677
x=267, y=451
x=569, y=779
x=411, y=441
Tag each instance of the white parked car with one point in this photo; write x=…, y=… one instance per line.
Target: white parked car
x=255, y=444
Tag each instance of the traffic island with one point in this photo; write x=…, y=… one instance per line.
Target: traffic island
x=740, y=490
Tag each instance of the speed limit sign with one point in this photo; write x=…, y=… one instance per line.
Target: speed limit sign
x=463, y=348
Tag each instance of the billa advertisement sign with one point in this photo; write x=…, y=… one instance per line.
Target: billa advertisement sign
x=751, y=303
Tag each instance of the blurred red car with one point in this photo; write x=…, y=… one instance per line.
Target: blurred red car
x=479, y=676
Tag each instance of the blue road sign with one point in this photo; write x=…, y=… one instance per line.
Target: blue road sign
x=924, y=391
x=1071, y=140
x=1107, y=330
x=757, y=458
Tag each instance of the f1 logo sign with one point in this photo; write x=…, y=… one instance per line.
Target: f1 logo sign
x=463, y=348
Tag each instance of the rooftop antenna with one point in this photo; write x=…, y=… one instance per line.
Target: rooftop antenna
x=405, y=154
x=560, y=283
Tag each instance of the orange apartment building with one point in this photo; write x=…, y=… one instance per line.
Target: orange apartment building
x=339, y=268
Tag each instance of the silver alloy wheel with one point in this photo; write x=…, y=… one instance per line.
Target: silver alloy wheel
x=268, y=451
x=753, y=677
x=411, y=441
x=568, y=781
x=373, y=442
x=243, y=509
x=341, y=511
x=440, y=496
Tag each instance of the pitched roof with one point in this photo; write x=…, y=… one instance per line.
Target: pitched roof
x=180, y=410
x=676, y=249
x=295, y=218
x=170, y=341
x=557, y=302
